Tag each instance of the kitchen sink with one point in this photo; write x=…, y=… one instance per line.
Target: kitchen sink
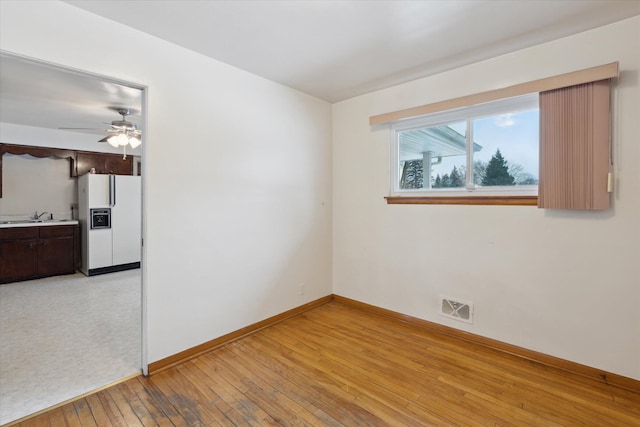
x=32, y=221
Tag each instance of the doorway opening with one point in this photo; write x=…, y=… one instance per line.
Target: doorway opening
x=65, y=335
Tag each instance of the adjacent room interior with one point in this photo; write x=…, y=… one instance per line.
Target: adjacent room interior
x=280, y=172
x=71, y=301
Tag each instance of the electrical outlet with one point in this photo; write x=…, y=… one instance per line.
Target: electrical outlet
x=301, y=289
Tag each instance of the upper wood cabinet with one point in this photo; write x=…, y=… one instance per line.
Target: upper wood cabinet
x=103, y=163
x=80, y=162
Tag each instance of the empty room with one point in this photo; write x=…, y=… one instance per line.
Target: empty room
x=358, y=212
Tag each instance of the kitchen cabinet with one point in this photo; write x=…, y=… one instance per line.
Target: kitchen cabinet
x=80, y=162
x=18, y=253
x=103, y=163
x=55, y=250
x=34, y=252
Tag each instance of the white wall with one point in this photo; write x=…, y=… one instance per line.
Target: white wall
x=32, y=184
x=238, y=203
x=559, y=282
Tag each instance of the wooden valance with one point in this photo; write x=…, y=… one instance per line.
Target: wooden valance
x=588, y=75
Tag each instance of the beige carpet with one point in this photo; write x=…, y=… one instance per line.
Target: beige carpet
x=64, y=336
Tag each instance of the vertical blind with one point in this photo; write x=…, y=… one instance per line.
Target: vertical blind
x=575, y=147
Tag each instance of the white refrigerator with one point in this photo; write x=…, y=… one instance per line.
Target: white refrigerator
x=110, y=216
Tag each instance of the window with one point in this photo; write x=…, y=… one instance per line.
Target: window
x=490, y=149
x=575, y=162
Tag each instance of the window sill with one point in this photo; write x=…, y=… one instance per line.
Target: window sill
x=463, y=200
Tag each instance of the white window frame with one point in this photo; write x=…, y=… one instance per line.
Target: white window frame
x=468, y=114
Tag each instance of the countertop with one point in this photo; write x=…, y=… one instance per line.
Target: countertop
x=28, y=223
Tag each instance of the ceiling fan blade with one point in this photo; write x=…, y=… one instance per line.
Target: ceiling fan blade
x=127, y=129
x=80, y=128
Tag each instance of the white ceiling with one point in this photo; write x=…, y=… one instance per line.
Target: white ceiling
x=330, y=49
x=37, y=94
x=335, y=50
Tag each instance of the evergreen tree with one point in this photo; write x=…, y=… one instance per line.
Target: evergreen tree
x=446, y=182
x=438, y=182
x=455, y=179
x=497, y=172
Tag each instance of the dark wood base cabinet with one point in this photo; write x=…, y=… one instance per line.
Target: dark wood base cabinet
x=34, y=252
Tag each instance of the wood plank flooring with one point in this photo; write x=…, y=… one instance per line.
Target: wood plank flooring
x=340, y=366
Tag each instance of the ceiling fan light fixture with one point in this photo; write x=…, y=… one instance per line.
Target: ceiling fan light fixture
x=123, y=133
x=113, y=140
x=134, y=141
x=122, y=139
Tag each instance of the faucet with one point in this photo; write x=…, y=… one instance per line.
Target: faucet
x=37, y=217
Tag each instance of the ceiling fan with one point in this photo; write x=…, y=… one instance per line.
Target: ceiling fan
x=123, y=132
x=120, y=132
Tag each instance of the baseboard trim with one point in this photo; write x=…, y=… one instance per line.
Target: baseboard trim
x=113, y=268
x=531, y=355
x=599, y=375
x=198, y=350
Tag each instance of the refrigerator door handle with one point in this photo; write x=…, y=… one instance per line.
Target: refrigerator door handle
x=112, y=190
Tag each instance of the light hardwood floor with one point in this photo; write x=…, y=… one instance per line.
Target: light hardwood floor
x=340, y=366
